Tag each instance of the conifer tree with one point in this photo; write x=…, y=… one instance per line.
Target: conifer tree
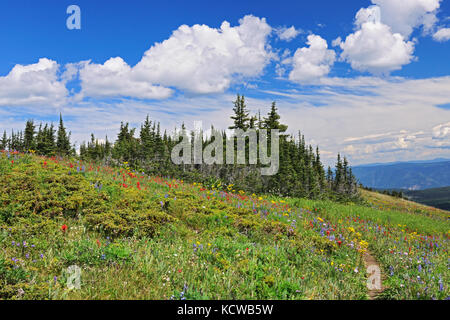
x=29, y=139
x=63, y=140
x=146, y=141
x=240, y=117
x=4, y=141
x=272, y=120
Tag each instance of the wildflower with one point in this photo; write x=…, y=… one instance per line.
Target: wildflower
x=64, y=228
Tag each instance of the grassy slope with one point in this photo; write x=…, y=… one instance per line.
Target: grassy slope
x=386, y=202
x=145, y=237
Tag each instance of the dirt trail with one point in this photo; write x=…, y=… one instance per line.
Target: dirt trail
x=369, y=260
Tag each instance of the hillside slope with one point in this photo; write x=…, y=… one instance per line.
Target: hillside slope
x=141, y=237
x=415, y=176
x=386, y=202
x=436, y=197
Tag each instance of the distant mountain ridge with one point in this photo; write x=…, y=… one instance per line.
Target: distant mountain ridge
x=401, y=162
x=414, y=175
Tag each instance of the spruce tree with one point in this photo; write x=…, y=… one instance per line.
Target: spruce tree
x=63, y=140
x=4, y=141
x=146, y=141
x=240, y=118
x=29, y=139
x=272, y=120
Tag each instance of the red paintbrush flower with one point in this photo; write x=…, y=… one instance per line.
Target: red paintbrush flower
x=64, y=228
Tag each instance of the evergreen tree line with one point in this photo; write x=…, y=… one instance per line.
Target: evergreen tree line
x=301, y=172
x=44, y=140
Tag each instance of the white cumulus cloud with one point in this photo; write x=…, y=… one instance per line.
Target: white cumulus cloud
x=287, y=34
x=442, y=35
x=115, y=78
x=313, y=62
x=373, y=47
x=33, y=84
x=403, y=16
x=201, y=59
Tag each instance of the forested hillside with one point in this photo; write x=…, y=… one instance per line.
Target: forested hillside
x=301, y=172
x=436, y=197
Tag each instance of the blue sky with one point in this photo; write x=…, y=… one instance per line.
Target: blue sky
x=365, y=78
x=32, y=29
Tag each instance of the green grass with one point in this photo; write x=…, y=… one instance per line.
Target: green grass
x=139, y=237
